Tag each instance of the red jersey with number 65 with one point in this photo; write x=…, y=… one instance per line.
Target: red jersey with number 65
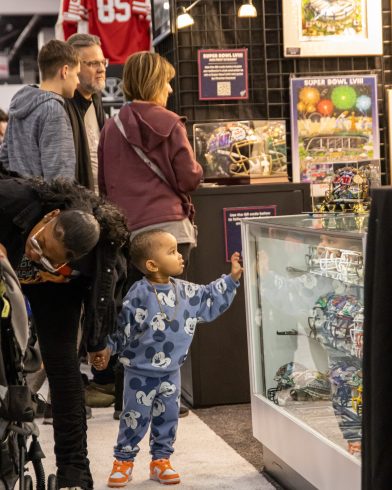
x=124, y=26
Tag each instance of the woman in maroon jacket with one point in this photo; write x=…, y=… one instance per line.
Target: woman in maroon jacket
x=145, y=124
x=145, y=133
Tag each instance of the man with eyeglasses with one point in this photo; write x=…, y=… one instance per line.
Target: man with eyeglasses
x=87, y=118
x=85, y=108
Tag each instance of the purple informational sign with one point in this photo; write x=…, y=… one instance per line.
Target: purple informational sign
x=232, y=224
x=223, y=74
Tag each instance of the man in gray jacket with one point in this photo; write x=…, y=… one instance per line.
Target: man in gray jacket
x=38, y=140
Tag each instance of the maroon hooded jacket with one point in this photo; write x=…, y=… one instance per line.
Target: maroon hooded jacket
x=128, y=182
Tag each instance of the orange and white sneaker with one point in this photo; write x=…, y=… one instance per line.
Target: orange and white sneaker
x=161, y=470
x=121, y=473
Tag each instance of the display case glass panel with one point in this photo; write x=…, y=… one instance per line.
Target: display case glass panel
x=304, y=286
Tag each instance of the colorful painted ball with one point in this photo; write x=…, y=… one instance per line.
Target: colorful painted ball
x=301, y=107
x=309, y=95
x=344, y=97
x=325, y=107
x=310, y=108
x=364, y=103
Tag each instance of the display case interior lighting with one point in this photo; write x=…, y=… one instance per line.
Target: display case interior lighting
x=184, y=19
x=247, y=10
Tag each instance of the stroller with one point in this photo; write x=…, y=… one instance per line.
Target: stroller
x=17, y=404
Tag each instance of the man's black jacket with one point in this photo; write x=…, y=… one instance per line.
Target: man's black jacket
x=76, y=109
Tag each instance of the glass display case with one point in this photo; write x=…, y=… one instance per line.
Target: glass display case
x=304, y=303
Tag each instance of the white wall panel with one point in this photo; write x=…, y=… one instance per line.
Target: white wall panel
x=29, y=7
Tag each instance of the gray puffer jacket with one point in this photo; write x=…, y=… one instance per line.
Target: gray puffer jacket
x=38, y=140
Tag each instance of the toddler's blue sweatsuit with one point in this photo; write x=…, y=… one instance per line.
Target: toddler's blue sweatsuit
x=155, y=331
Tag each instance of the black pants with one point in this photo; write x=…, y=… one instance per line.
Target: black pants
x=56, y=310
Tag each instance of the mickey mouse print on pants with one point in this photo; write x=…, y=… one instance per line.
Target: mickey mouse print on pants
x=155, y=397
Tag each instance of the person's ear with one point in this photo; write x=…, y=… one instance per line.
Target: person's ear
x=151, y=266
x=64, y=72
x=51, y=215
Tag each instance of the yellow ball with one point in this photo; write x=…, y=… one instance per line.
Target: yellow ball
x=309, y=95
x=301, y=107
x=310, y=108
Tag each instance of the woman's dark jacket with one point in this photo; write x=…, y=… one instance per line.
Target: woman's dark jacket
x=104, y=269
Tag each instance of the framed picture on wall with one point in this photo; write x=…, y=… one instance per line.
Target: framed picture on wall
x=161, y=23
x=323, y=28
x=334, y=119
x=237, y=149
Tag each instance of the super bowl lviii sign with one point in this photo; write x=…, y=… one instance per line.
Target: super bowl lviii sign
x=223, y=74
x=333, y=120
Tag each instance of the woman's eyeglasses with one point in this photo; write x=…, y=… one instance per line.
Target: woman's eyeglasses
x=44, y=261
x=97, y=63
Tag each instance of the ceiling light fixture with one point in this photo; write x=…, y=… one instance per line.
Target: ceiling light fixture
x=183, y=18
x=247, y=10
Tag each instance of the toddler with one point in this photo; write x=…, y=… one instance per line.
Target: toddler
x=155, y=331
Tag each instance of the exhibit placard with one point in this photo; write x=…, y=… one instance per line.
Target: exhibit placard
x=232, y=224
x=223, y=74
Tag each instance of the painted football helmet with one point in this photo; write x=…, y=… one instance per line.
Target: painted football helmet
x=239, y=150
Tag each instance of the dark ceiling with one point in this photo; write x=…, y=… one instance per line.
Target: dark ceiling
x=18, y=38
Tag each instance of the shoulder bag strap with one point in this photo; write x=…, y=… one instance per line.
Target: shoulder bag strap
x=141, y=153
x=185, y=199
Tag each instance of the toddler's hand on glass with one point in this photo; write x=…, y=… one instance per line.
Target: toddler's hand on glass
x=236, y=268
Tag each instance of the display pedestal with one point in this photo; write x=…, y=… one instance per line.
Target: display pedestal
x=282, y=473
x=216, y=371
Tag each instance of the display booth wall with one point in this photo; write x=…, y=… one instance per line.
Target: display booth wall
x=217, y=26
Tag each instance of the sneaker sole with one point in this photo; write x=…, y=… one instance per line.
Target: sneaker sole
x=119, y=485
x=174, y=481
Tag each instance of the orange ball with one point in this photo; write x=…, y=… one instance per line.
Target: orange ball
x=309, y=95
x=325, y=107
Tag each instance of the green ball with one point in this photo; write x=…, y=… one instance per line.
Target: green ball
x=344, y=97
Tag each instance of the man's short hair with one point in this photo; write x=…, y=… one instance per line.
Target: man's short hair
x=143, y=247
x=3, y=116
x=54, y=55
x=83, y=41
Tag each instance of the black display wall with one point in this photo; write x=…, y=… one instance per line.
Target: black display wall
x=217, y=26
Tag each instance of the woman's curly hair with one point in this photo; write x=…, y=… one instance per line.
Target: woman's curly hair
x=63, y=194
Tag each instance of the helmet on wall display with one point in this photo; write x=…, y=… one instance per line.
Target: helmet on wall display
x=238, y=150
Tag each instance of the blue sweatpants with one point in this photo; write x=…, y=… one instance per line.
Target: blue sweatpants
x=148, y=400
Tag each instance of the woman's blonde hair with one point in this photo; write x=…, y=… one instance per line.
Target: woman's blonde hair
x=145, y=76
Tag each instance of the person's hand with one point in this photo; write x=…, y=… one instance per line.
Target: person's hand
x=3, y=251
x=100, y=359
x=236, y=268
